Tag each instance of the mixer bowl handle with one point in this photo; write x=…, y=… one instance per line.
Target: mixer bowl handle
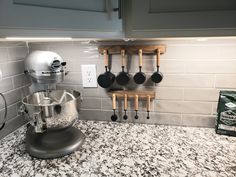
x=40, y=124
x=37, y=120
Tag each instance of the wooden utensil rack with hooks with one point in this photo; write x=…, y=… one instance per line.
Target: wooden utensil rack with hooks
x=135, y=95
x=131, y=95
x=142, y=94
x=132, y=49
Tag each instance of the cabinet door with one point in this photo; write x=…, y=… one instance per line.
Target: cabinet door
x=180, y=18
x=74, y=18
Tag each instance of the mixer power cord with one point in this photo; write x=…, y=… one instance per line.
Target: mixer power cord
x=5, y=114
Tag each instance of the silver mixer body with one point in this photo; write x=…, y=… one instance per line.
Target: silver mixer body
x=51, y=112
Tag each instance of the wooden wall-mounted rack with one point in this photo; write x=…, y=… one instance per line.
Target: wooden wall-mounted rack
x=135, y=96
x=142, y=94
x=132, y=49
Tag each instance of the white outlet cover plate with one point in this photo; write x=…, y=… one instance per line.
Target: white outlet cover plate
x=89, y=76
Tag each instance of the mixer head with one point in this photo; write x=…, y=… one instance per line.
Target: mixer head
x=45, y=67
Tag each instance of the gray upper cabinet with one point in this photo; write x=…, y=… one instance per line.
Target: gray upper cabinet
x=98, y=19
x=67, y=18
x=180, y=18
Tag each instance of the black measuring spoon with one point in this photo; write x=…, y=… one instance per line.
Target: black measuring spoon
x=114, y=116
x=136, y=106
x=125, y=117
x=148, y=106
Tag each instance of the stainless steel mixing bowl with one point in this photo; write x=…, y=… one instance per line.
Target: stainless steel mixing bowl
x=52, y=109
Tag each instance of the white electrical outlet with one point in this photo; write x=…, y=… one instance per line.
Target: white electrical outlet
x=89, y=76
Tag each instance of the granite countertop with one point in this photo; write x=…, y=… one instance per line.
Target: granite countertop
x=125, y=149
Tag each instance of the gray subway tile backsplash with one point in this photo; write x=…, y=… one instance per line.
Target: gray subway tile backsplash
x=223, y=81
x=6, y=84
x=74, y=78
x=17, y=53
x=192, y=80
x=21, y=80
x=200, y=52
x=210, y=67
x=198, y=120
x=193, y=94
x=194, y=73
x=15, y=95
x=13, y=83
x=91, y=103
x=12, y=68
x=11, y=111
x=169, y=93
x=188, y=80
x=4, y=56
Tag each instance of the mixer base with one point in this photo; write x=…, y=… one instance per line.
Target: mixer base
x=53, y=143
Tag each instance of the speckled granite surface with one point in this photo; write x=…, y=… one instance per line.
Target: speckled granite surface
x=119, y=149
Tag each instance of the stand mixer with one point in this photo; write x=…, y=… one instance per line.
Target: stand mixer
x=51, y=112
